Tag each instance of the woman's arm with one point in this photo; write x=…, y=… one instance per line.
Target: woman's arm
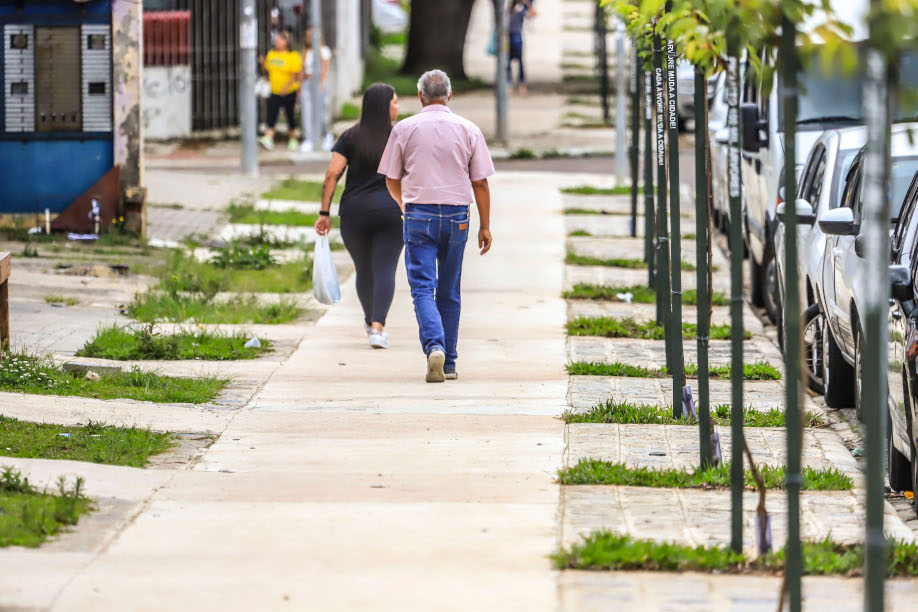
x=325, y=64
x=336, y=168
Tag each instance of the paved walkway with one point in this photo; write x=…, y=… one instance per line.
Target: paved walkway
x=349, y=483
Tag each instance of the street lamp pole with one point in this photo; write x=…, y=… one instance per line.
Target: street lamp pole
x=248, y=112
x=315, y=86
x=503, y=62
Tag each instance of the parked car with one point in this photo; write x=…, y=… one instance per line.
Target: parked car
x=717, y=131
x=902, y=460
x=840, y=288
x=685, y=97
x=820, y=188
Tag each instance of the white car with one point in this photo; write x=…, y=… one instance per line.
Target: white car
x=819, y=189
x=685, y=96
x=717, y=131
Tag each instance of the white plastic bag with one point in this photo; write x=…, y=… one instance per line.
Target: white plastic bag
x=262, y=88
x=324, y=275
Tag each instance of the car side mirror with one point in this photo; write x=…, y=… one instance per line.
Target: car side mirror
x=900, y=283
x=752, y=124
x=839, y=222
x=805, y=214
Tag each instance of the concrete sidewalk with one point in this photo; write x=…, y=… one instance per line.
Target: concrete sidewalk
x=349, y=483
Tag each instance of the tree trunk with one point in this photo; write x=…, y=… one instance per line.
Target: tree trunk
x=436, y=36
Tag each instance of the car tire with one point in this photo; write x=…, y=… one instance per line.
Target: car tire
x=858, y=373
x=814, y=324
x=898, y=467
x=757, y=295
x=838, y=375
x=769, y=285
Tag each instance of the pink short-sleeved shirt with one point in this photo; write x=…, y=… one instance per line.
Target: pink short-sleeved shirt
x=436, y=154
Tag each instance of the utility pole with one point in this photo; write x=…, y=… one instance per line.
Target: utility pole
x=675, y=218
x=315, y=86
x=621, y=110
x=602, y=61
x=503, y=64
x=248, y=112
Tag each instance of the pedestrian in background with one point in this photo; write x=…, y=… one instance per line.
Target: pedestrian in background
x=519, y=11
x=433, y=163
x=325, y=58
x=371, y=221
x=284, y=68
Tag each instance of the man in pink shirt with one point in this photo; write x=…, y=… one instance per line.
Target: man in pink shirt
x=433, y=164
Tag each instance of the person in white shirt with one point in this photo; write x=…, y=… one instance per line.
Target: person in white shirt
x=306, y=96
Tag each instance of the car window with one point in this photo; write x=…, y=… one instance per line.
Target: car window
x=901, y=172
x=806, y=175
x=851, y=185
x=905, y=218
x=815, y=185
x=843, y=162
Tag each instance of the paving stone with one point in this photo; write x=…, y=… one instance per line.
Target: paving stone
x=652, y=353
x=602, y=225
x=627, y=277
x=629, y=248
x=614, y=204
x=633, y=445
x=584, y=392
x=171, y=225
x=702, y=517
x=581, y=591
x=648, y=312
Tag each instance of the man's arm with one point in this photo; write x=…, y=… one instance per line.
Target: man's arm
x=395, y=190
x=483, y=200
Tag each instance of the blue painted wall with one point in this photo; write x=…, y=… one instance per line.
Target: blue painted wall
x=48, y=170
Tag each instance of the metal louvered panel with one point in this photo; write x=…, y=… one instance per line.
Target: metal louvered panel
x=57, y=83
x=97, y=78
x=19, y=78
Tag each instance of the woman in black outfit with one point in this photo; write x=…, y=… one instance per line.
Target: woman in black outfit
x=371, y=221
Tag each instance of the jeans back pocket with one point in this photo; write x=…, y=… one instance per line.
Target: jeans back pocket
x=459, y=231
x=417, y=229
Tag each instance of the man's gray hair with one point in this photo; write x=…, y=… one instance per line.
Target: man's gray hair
x=434, y=86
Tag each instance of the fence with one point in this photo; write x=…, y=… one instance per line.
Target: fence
x=4, y=300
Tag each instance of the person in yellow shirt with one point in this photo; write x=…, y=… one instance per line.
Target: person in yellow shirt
x=284, y=68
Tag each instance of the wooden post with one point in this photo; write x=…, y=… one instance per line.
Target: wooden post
x=4, y=300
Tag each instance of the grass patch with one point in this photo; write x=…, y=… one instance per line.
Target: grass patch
x=158, y=306
x=524, y=154
x=298, y=190
x=172, y=206
x=590, y=190
x=60, y=300
x=580, y=101
x=29, y=374
x=605, y=550
x=28, y=516
x=579, y=234
x=599, y=472
x=641, y=294
x=626, y=327
x=594, y=211
x=248, y=214
x=382, y=69
x=181, y=273
x=575, y=259
x=751, y=371
x=94, y=442
x=123, y=344
x=624, y=412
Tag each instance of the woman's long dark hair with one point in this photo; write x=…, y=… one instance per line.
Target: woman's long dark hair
x=375, y=124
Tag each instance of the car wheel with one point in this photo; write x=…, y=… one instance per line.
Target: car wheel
x=898, y=467
x=813, y=330
x=837, y=373
x=858, y=374
x=757, y=295
x=769, y=284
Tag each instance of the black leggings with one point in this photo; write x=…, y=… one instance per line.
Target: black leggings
x=276, y=103
x=374, y=240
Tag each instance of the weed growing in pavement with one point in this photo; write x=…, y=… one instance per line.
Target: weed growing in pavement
x=624, y=412
x=641, y=294
x=243, y=257
x=28, y=516
x=574, y=259
x=594, y=211
x=626, y=327
x=579, y=234
x=605, y=550
x=298, y=190
x=124, y=344
x=151, y=307
x=249, y=215
x=60, y=299
x=524, y=154
x=93, y=442
x=598, y=472
x=23, y=373
x=590, y=190
x=751, y=371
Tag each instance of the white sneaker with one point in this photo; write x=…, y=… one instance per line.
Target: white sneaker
x=328, y=142
x=379, y=340
x=435, y=362
x=306, y=147
x=367, y=328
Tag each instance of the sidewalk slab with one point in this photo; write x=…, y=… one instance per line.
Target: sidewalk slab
x=631, y=248
x=628, y=277
x=652, y=353
x=648, y=312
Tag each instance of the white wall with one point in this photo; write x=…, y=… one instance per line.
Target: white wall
x=347, y=64
x=166, y=102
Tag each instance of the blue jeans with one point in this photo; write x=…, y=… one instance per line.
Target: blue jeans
x=435, y=238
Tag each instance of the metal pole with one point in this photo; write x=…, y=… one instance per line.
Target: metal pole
x=315, y=87
x=792, y=346
x=602, y=61
x=621, y=109
x=875, y=224
x=503, y=64
x=248, y=111
x=663, y=287
x=675, y=220
x=736, y=298
x=701, y=241
x=649, y=252
x=634, y=146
